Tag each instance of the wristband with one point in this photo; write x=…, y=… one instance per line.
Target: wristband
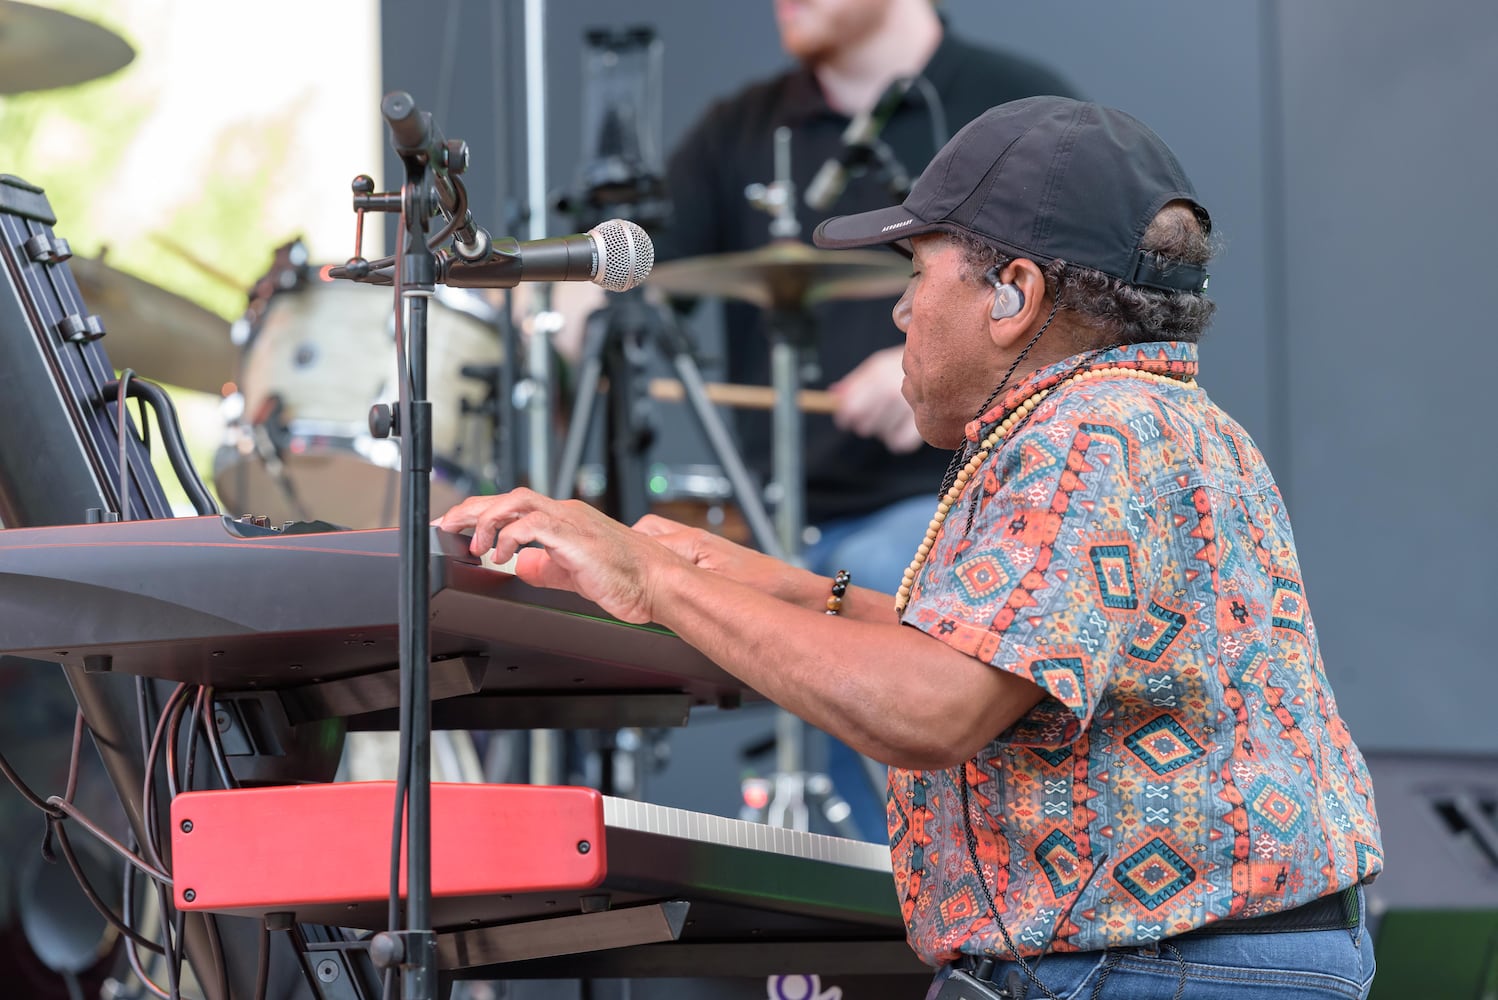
x=839, y=588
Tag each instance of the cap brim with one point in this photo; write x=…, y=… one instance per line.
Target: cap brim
x=892, y=226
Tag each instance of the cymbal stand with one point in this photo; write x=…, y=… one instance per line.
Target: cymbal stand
x=617, y=342
x=790, y=334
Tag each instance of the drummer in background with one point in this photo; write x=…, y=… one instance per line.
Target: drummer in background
x=869, y=475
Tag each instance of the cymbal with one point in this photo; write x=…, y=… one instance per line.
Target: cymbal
x=42, y=48
x=786, y=274
x=162, y=336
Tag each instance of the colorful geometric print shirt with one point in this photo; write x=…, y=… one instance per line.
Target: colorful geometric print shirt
x=1125, y=549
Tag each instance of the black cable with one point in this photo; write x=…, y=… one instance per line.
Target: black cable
x=143, y=705
x=173, y=736
x=972, y=851
x=935, y=110
x=170, y=726
x=193, y=724
x=60, y=831
x=58, y=808
x=15, y=779
x=262, y=968
x=216, y=746
x=216, y=951
x=959, y=456
x=142, y=713
x=148, y=789
x=172, y=936
x=145, y=979
x=75, y=757
x=72, y=813
x=145, y=428
x=120, y=417
x=128, y=904
x=215, y=940
x=171, y=437
x=406, y=695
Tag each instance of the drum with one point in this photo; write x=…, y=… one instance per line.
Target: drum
x=317, y=356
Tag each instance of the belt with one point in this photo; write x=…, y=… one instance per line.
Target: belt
x=1338, y=911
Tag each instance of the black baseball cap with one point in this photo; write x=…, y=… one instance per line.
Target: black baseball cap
x=1046, y=178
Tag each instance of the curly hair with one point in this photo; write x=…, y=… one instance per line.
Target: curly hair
x=1114, y=312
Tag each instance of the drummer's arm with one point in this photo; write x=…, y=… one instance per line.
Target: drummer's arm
x=870, y=402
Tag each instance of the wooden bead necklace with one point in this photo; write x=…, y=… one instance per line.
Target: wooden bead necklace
x=1019, y=413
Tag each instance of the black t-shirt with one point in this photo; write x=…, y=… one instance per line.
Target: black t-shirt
x=730, y=147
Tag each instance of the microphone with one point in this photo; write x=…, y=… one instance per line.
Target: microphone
x=858, y=139
x=616, y=255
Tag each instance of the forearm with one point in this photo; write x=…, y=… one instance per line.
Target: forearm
x=810, y=590
x=890, y=692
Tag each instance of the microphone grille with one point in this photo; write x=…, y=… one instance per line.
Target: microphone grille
x=627, y=257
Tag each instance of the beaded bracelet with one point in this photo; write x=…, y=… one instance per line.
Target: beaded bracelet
x=839, y=588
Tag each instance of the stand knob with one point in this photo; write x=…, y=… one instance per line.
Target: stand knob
x=384, y=421
x=386, y=950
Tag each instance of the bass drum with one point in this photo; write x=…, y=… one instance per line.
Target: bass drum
x=316, y=358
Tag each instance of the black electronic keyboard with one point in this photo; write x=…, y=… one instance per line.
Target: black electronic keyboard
x=313, y=616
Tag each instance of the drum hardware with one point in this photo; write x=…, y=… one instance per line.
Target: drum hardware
x=41, y=49
x=779, y=196
x=490, y=411
x=620, y=337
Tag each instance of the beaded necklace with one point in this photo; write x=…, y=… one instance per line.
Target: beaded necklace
x=1015, y=416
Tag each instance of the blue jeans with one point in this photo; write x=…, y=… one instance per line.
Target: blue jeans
x=1288, y=965
x=875, y=548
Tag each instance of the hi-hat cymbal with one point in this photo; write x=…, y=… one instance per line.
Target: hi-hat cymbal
x=786, y=274
x=42, y=48
x=162, y=336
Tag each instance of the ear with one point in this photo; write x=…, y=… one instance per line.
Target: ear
x=1019, y=304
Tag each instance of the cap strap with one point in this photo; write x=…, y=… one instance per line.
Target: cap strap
x=1155, y=271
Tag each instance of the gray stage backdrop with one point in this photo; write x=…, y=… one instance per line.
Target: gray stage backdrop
x=1347, y=151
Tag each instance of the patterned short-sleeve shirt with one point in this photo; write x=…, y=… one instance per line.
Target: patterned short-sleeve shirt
x=1126, y=549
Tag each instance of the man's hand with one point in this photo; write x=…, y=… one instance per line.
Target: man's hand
x=581, y=549
x=870, y=403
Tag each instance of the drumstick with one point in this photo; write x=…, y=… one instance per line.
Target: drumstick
x=749, y=397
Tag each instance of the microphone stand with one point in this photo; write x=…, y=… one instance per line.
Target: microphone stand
x=431, y=164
